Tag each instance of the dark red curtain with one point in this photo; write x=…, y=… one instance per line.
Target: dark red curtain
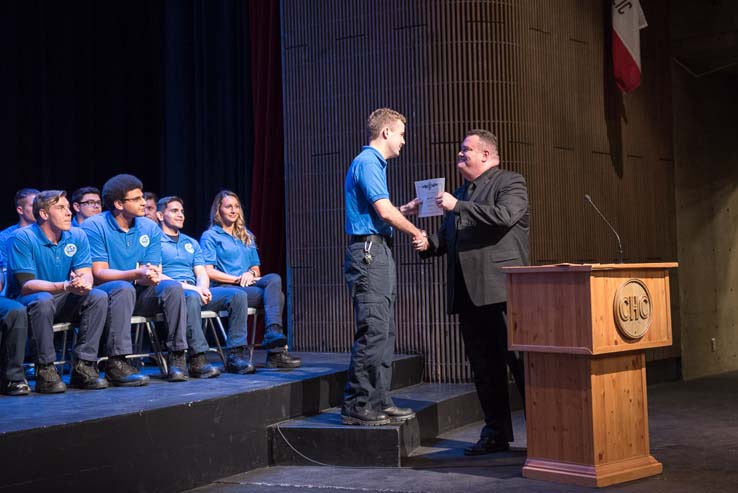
x=266, y=217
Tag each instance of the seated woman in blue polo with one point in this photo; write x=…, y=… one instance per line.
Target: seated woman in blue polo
x=231, y=258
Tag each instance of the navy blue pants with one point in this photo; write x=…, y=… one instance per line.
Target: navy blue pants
x=45, y=309
x=125, y=299
x=373, y=290
x=13, y=334
x=267, y=293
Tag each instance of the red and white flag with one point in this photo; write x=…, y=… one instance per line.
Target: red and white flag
x=627, y=22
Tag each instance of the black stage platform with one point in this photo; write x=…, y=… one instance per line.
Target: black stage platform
x=166, y=436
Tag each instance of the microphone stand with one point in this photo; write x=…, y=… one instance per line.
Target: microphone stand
x=619, y=259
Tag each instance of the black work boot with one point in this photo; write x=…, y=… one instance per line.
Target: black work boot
x=273, y=337
x=177, y=365
x=48, y=380
x=236, y=363
x=200, y=368
x=398, y=414
x=121, y=374
x=282, y=359
x=86, y=376
x=364, y=417
x=15, y=387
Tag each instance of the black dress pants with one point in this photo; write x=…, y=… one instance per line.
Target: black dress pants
x=484, y=329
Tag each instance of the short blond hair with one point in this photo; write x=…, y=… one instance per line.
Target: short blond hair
x=381, y=118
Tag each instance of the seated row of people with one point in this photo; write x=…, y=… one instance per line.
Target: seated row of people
x=119, y=263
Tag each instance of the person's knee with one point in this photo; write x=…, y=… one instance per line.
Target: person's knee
x=169, y=289
x=192, y=301
x=16, y=316
x=42, y=304
x=120, y=291
x=97, y=298
x=273, y=280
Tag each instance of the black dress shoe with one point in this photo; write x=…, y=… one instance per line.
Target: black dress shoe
x=487, y=446
x=364, y=417
x=281, y=359
x=399, y=414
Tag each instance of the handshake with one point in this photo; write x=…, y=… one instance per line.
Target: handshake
x=444, y=200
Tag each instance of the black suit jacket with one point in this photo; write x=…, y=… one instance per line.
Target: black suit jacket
x=487, y=229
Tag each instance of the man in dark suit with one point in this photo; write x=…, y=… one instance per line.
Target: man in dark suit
x=486, y=227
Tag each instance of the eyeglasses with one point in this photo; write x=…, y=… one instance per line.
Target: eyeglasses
x=140, y=198
x=92, y=203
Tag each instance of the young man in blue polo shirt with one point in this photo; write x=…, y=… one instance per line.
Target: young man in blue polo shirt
x=369, y=270
x=24, y=207
x=126, y=263
x=86, y=202
x=50, y=273
x=13, y=334
x=182, y=261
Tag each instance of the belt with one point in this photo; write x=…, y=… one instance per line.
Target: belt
x=381, y=239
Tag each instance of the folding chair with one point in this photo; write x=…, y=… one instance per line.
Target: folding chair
x=64, y=328
x=139, y=324
x=210, y=319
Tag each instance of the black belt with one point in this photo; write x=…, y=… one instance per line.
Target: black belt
x=381, y=239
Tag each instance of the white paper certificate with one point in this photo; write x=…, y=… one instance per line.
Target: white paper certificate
x=427, y=191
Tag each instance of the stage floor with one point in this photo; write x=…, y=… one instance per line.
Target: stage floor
x=694, y=433
x=74, y=406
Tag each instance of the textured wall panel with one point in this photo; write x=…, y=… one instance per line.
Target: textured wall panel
x=533, y=72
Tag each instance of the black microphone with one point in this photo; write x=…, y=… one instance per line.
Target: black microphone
x=620, y=245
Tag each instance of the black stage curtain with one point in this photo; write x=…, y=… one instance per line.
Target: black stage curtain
x=159, y=89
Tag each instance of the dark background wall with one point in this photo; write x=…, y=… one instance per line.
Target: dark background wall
x=705, y=76
x=162, y=90
x=539, y=76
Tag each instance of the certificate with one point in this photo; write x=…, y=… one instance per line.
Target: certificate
x=427, y=191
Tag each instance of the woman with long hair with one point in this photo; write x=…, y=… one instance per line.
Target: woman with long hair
x=231, y=258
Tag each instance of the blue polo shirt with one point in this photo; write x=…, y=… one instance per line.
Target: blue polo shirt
x=4, y=237
x=31, y=252
x=179, y=258
x=123, y=250
x=366, y=182
x=226, y=253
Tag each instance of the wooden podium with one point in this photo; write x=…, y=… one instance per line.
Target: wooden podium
x=584, y=329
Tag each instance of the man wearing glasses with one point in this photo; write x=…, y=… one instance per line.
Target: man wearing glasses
x=86, y=203
x=126, y=263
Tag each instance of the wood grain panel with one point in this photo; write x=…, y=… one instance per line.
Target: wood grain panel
x=559, y=406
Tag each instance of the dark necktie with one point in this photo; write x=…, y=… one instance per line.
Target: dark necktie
x=470, y=187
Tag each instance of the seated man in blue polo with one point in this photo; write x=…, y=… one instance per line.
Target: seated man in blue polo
x=126, y=263
x=24, y=207
x=50, y=273
x=86, y=202
x=182, y=261
x=13, y=334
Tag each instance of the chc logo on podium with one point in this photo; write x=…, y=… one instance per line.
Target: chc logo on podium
x=632, y=309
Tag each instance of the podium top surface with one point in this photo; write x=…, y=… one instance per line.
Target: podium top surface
x=587, y=267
